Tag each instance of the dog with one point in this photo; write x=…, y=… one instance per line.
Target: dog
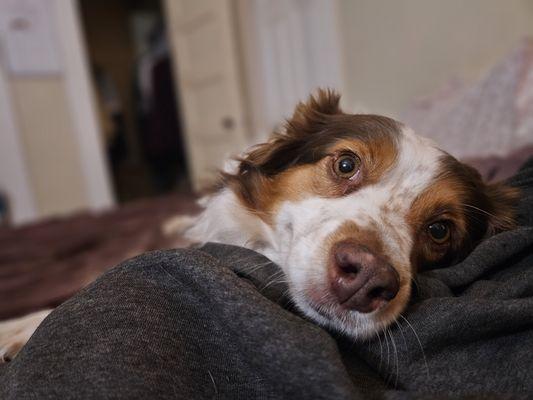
x=350, y=207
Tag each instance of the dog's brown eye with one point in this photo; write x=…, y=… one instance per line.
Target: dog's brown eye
x=347, y=165
x=439, y=231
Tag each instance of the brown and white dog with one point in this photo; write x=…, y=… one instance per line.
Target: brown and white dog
x=350, y=207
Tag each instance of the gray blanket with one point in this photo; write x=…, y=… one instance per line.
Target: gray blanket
x=215, y=322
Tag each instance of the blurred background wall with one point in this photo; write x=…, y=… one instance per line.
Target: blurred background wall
x=228, y=72
x=396, y=51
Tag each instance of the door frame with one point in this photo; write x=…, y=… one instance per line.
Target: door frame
x=82, y=102
x=13, y=171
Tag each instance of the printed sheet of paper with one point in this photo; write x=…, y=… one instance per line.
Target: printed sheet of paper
x=29, y=41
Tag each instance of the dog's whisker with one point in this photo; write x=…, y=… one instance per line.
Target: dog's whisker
x=477, y=209
x=397, y=361
x=386, y=371
x=414, y=280
x=380, y=348
x=271, y=280
x=253, y=267
x=401, y=332
x=419, y=343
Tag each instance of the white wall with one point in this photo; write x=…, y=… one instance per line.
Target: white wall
x=395, y=51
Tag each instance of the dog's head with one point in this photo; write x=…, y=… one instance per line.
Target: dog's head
x=356, y=205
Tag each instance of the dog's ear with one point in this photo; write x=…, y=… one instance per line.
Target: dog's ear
x=284, y=148
x=496, y=204
x=325, y=101
x=310, y=116
x=489, y=208
x=502, y=201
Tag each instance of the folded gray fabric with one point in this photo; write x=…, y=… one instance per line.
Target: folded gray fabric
x=216, y=322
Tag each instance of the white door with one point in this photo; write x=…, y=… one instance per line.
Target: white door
x=297, y=46
x=202, y=35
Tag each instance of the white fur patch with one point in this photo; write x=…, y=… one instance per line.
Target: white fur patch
x=226, y=220
x=15, y=333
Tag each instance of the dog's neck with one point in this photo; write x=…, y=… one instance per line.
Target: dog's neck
x=226, y=220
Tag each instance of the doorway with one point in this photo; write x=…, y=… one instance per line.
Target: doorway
x=137, y=106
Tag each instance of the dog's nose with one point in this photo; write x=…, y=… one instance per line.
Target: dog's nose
x=360, y=280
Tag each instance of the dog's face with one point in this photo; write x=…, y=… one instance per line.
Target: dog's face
x=357, y=204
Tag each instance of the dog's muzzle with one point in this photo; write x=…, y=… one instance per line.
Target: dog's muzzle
x=359, y=279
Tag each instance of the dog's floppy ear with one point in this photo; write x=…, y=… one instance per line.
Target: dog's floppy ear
x=310, y=116
x=282, y=150
x=492, y=203
x=502, y=200
x=285, y=148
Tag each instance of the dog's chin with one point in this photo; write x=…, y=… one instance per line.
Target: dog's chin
x=353, y=324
